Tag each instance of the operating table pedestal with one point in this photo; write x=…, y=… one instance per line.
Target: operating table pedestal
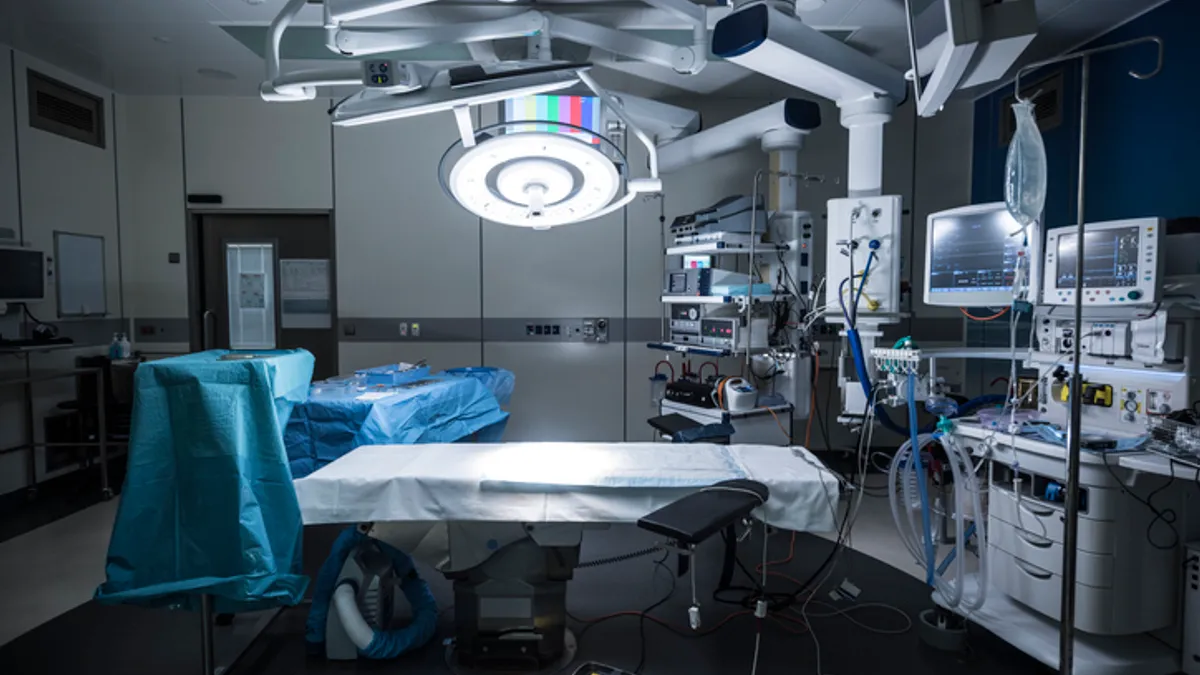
x=510, y=594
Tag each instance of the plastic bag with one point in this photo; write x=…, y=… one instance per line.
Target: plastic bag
x=1025, y=170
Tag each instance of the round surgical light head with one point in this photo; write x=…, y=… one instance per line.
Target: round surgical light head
x=534, y=179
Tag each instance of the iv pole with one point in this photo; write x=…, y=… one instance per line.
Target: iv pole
x=1066, y=644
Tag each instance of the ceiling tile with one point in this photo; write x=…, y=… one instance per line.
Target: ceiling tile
x=876, y=13
x=115, y=11
x=831, y=15
x=263, y=12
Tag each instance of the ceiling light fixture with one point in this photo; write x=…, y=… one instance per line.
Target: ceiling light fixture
x=512, y=175
x=535, y=179
x=216, y=74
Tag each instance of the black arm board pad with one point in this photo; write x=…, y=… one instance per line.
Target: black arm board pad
x=696, y=517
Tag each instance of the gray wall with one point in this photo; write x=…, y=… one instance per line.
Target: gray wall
x=47, y=184
x=406, y=252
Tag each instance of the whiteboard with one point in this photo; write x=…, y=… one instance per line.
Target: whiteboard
x=81, y=284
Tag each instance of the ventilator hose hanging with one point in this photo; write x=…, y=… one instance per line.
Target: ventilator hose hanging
x=901, y=476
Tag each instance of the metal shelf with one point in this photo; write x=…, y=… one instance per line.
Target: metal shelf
x=689, y=349
x=722, y=247
x=721, y=299
x=701, y=349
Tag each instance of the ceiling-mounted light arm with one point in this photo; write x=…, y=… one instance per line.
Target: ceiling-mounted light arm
x=789, y=118
x=760, y=37
x=466, y=125
x=685, y=60
x=688, y=60
x=364, y=42
x=341, y=11
x=275, y=36
x=619, y=111
x=297, y=85
x=684, y=9
x=300, y=85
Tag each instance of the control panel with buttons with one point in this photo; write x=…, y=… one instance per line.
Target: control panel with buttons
x=1108, y=339
x=389, y=74
x=1123, y=263
x=568, y=330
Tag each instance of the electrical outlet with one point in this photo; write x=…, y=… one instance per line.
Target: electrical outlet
x=403, y=329
x=416, y=330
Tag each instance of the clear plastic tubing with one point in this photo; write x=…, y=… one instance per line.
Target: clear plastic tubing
x=901, y=495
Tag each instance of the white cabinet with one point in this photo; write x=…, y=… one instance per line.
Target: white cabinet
x=1123, y=585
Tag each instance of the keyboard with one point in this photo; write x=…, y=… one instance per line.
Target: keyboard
x=29, y=342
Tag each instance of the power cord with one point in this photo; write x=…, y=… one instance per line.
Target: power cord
x=39, y=322
x=1166, y=516
x=651, y=608
x=633, y=555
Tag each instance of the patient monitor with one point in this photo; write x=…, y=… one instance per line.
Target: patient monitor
x=976, y=255
x=1122, y=263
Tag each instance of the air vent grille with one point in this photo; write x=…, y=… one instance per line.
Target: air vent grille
x=64, y=110
x=1047, y=109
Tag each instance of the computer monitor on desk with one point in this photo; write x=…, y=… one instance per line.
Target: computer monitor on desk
x=22, y=274
x=972, y=256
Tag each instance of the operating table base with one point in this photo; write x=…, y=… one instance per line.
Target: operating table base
x=570, y=649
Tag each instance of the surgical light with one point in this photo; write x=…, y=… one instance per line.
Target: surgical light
x=542, y=173
x=533, y=178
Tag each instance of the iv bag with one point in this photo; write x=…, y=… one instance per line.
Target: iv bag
x=1025, y=170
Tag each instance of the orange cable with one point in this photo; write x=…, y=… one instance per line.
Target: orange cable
x=781, y=427
x=993, y=317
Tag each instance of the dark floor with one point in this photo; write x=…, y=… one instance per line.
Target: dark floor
x=23, y=511
x=94, y=639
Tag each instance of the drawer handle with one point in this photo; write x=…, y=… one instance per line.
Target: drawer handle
x=1038, y=512
x=1031, y=570
x=1034, y=540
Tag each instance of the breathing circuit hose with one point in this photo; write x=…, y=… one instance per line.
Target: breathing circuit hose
x=919, y=538
x=915, y=442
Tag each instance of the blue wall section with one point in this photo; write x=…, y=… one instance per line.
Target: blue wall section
x=1143, y=146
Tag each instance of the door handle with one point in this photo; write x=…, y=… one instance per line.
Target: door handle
x=209, y=336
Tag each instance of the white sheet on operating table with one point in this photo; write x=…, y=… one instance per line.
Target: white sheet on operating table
x=451, y=482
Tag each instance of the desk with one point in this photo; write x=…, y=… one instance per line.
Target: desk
x=26, y=382
x=41, y=349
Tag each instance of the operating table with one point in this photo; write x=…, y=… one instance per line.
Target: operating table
x=505, y=521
